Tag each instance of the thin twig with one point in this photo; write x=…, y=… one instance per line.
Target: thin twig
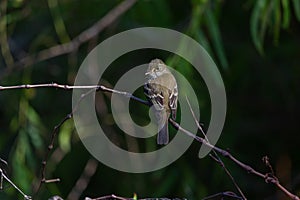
x=244, y=166
x=12, y=183
x=223, y=194
x=126, y=94
x=47, y=85
x=55, y=132
x=73, y=45
x=247, y=168
x=216, y=157
x=93, y=88
x=115, y=197
x=109, y=197
x=71, y=87
x=266, y=161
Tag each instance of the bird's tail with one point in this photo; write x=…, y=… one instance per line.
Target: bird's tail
x=163, y=132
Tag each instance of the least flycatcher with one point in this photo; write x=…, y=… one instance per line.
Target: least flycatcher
x=161, y=89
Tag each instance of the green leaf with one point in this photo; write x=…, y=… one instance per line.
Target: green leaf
x=200, y=36
x=22, y=172
x=297, y=8
x=286, y=13
x=58, y=21
x=255, y=25
x=216, y=37
x=65, y=136
x=196, y=18
x=35, y=127
x=277, y=19
x=265, y=20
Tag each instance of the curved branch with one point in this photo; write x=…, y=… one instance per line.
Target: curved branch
x=73, y=45
x=267, y=177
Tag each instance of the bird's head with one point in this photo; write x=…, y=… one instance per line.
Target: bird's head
x=156, y=68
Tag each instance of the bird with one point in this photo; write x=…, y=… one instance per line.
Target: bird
x=161, y=90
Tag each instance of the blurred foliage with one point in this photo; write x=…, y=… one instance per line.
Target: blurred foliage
x=272, y=15
x=255, y=43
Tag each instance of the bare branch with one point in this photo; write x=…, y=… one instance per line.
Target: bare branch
x=55, y=132
x=216, y=156
x=266, y=161
x=71, y=87
x=115, y=197
x=73, y=45
x=269, y=179
x=12, y=184
x=246, y=167
x=223, y=194
x=47, y=85
x=92, y=89
x=112, y=196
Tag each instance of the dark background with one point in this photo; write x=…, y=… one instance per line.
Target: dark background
x=254, y=43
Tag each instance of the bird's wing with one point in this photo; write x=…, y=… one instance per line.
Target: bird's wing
x=153, y=94
x=173, y=102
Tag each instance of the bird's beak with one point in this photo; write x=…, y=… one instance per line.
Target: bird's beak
x=150, y=72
